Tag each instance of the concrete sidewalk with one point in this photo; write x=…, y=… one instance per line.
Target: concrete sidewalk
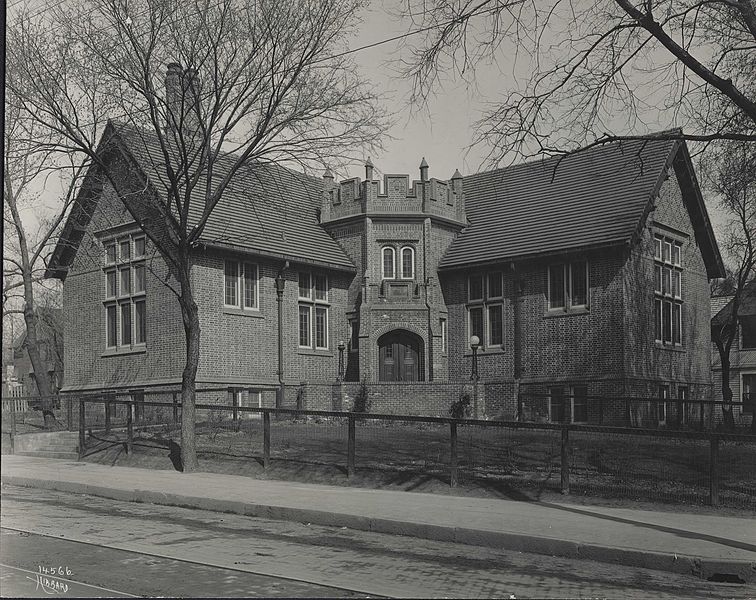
x=701, y=545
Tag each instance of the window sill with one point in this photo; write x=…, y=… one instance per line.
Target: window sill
x=672, y=348
x=561, y=312
x=491, y=350
x=312, y=352
x=249, y=312
x=141, y=349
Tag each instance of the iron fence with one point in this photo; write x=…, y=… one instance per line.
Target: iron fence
x=626, y=411
x=511, y=457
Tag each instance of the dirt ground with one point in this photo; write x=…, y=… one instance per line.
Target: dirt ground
x=493, y=462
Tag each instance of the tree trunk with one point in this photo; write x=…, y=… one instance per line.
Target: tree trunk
x=727, y=418
x=30, y=315
x=190, y=316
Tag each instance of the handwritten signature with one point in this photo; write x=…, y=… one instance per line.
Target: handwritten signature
x=48, y=579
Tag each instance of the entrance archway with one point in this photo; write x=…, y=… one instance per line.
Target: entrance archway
x=400, y=356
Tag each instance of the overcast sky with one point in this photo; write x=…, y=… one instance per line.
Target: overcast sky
x=442, y=132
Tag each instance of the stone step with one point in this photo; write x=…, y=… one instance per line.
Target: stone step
x=49, y=454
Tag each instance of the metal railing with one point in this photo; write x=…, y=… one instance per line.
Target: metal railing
x=627, y=411
x=671, y=465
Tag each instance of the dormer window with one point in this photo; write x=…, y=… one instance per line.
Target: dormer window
x=408, y=262
x=389, y=262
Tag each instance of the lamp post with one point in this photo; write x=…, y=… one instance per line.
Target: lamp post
x=280, y=283
x=342, y=347
x=474, y=343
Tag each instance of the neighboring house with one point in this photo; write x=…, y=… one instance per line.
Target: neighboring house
x=50, y=339
x=582, y=276
x=742, y=353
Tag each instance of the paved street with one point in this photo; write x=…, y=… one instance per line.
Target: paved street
x=149, y=550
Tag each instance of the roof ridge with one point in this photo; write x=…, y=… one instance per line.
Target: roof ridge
x=583, y=149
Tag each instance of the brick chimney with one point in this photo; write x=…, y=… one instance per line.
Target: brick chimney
x=182, y=99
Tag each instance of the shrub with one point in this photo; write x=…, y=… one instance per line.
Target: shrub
x=460, y=409
x=362, y=399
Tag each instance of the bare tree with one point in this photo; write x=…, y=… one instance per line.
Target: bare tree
x=593, y=68
x=734, y=180
x=28, y=242
x=263, y=81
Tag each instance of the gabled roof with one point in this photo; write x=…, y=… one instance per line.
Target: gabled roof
x=266, y=209
x=721, y=306
x=592, y=198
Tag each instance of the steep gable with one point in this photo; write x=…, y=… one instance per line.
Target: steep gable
x=266, y=209
x=593, y=198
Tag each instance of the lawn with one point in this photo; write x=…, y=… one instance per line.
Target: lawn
x=493, y=461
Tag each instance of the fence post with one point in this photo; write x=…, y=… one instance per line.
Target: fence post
x=714, y=470
x=129, y=427
x=13, y=427
x=107, y=414
x=82, y=425
x=175, y=408
x=350, y=447
x=266, y=439
x=69, y=412
x=453, y=466
x=565, y=483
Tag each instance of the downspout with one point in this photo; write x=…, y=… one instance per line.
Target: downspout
x=517, y=338
x=280, y=284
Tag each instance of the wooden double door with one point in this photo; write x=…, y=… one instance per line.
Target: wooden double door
x=400, y=356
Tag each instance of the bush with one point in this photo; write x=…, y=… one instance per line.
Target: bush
x=362, y=399
x=460, y=409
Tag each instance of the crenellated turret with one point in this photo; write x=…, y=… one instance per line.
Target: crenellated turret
x=396, y=194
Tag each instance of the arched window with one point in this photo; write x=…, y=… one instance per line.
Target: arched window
x=408, y=262
x=389, y=271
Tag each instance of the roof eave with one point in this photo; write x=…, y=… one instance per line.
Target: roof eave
x=535, y=255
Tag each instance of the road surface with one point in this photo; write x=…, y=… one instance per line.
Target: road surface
x=108, y=548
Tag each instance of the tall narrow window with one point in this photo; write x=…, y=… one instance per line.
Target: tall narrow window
x=579, y=395
x=578, y=283
x=475, y=288
x=556, y=405
x=661, y=407
x=495, y=325
x=476, y=322
x=408, y=263
x=556, y=287
x=668, y=291
x=111, y=313
x=485, y=308
x=304, y=325
x=231, y=283
x=313, y=310
x=495, y=287
x=442, y=324
x=389, y=263
x=125, y=290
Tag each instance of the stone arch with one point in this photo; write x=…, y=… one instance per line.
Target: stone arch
x=401, y=356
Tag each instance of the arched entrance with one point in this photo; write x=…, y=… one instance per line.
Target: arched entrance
x=400, y=356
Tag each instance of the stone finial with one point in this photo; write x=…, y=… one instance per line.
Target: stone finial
x=456, y=181
x=423, y=170
x=327, y=174
x=369, y=169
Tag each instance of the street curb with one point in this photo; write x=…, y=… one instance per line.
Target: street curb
x=703, y=568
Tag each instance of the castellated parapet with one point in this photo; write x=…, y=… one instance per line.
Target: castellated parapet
x=396, y=195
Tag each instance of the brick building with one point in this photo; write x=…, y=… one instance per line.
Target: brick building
x=582, y=276
x=742, y=353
